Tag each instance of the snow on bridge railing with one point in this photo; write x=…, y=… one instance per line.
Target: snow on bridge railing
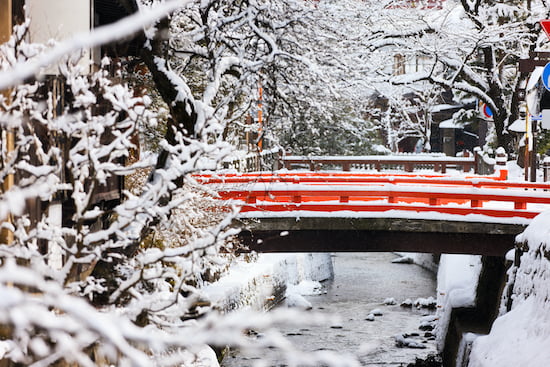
x=487, y=197
x=406, y=162
x=362, y=177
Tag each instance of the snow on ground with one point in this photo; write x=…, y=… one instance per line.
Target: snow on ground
x=521, y=337
x=206, y=357
x=295, y=292
x=427, y=261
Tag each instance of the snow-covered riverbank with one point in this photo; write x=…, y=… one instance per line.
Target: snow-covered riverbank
x=261, y=284
x=521, y=337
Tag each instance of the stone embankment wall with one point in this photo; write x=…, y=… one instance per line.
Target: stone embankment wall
x=261, y=284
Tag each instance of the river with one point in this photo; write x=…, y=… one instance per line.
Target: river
x=361, y=284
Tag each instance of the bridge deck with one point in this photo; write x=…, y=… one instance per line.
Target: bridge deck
x=348, y=234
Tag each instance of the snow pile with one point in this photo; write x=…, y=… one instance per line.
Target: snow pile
x=408, y=341
x=457, y=280
x=306, y=288
x=521, y=337
x=205, y=357
x=295, y=292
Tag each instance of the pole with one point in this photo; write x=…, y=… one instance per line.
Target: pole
x=533, y=162
x=260, y=122
x=527, y=159
x=6, y=22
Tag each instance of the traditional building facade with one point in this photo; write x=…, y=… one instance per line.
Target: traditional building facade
x=60, y=20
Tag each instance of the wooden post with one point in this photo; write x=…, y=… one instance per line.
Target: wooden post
x=477, y=157
x=533, y=153
x=527, y=159
x=6, y=21
x=6, y=25
x=260, y=120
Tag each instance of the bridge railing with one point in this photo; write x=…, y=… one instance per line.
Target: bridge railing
x=407, y=163
x=364, y=177
x=267, y=160
x=376, y=198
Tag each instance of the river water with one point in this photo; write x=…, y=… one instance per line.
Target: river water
x=361, y=284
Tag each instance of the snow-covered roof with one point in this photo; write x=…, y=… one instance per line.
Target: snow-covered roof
x=450, y=124
x=518, y=126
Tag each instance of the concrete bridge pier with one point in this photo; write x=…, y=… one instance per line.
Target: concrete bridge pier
x=477, y=319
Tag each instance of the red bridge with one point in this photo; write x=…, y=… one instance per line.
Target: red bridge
x=352, y=211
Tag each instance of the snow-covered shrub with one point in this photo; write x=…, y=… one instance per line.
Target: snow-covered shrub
x=72, y=242
x=88, y=277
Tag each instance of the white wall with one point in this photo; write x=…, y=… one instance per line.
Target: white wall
x=59, y=20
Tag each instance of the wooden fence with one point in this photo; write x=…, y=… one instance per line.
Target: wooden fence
x=477, y=163
x=274, y=159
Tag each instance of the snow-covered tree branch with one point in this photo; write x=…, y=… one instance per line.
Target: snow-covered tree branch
x=492, y=36
x=90, y=272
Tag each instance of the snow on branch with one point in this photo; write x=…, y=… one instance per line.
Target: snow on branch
x=97, y=37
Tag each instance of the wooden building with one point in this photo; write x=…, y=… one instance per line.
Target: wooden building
x=61, y=20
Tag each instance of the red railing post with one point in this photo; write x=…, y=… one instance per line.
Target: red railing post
x=520, y=205
x=434, y=201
